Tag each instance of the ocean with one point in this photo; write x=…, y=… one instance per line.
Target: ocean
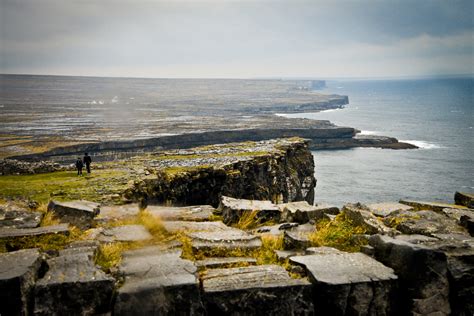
x=436, y=115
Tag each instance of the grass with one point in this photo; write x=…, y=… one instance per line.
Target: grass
x=338, y=234
x=109, y=255
x=63, y=185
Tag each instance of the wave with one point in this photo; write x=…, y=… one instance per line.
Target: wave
x=368, y=133
x=422, y=144
x=330, y=110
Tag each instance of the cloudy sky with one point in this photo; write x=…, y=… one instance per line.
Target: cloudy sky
x=217, y=39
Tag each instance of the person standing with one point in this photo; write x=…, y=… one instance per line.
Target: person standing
x=79, y=166
x=87, y=161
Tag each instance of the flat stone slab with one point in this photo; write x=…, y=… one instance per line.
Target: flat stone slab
x=225, y=262
x=18, y=273
x=433, y=206
x=78, y=213
x=322, y=251
x=298, y=237
x=73, y=283
x=233, y=209
x=464, y=199
x=118, y=211
x=423, y=222
x=360, y=215
x=177, y=226
x=348, y=283
x=283, y=255
x=18, y=218
x=231, y=239
x=387, y=208
x=39, y=231
x=157, y=282
x=256, y=290
x=124, y=233
x=302, y=212
x=187, y=213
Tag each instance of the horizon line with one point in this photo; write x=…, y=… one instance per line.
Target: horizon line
x=401, y=77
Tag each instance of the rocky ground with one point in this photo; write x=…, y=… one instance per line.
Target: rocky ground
x=245, y=257
x=42, y=125
x=261, y=248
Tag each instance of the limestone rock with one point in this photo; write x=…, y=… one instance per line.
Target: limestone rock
x=283, y=255
x=465, y=218
x=177, y=226
x=19, y=218
x=321, y=251
x=187, y=213
x=115, y=212
x=360, y=215
x=224, y=241
x=124, y=233
x=387, y=208
x=72, y=284
x=349, y=283
x=298, y=237
x=38, y=231
x=302, y=212
x=233, y=209
x=18, y=273
x=157, y=282
x=467, y=221
x=256, y=290
x=422, y=222
x=78, y=213
x=225, y=262
x=433, y=206
x=465, y=199
x=422, y=271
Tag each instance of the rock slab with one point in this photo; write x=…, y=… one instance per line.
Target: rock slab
x=73, y=283
x=126, y=233
x=30, y=232
x=223, y=241
x=78, y=213
x=348, y=283
x=18, y=273
x=196, y=213
x=157, y=282
x=465, y=199
x=18, y=218
x=256, y=290
x=233, y=209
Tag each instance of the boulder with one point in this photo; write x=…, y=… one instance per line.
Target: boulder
x=465, y=199
x=233, y=209
x=19, y=218
x=360, y=215
x=18, y=273
x=349, y=283
x=422, y=271
x=177, y=226
x=387, y=208
x=467, y=221
x=302, y=212
x=124, y=233
x=422, y=222
x=38, y=231
x=78, y=213
x=255, y=290
x=465, y=218
x=196, y=213
x=298, y=237
x=157, y=282
x=221, y=242
x=225, y=262
x=73, y=285
x=433, y=206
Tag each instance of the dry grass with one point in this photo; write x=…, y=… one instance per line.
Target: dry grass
x=109, y=255
x=247, y=220
x=338, y=234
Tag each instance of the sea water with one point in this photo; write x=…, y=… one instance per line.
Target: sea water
x=436, y=115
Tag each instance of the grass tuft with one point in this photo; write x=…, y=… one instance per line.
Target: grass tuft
x=339, y=234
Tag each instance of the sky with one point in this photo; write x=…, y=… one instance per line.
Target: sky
x=237, y=39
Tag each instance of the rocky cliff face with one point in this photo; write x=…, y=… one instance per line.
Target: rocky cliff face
x=277, y=170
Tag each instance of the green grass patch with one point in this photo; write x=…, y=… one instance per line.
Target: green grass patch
x=63, y=185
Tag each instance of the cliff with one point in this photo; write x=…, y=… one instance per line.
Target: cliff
x=277, y=170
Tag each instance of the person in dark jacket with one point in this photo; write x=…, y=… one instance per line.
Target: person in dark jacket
x=79, y=166
x=87, y=161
